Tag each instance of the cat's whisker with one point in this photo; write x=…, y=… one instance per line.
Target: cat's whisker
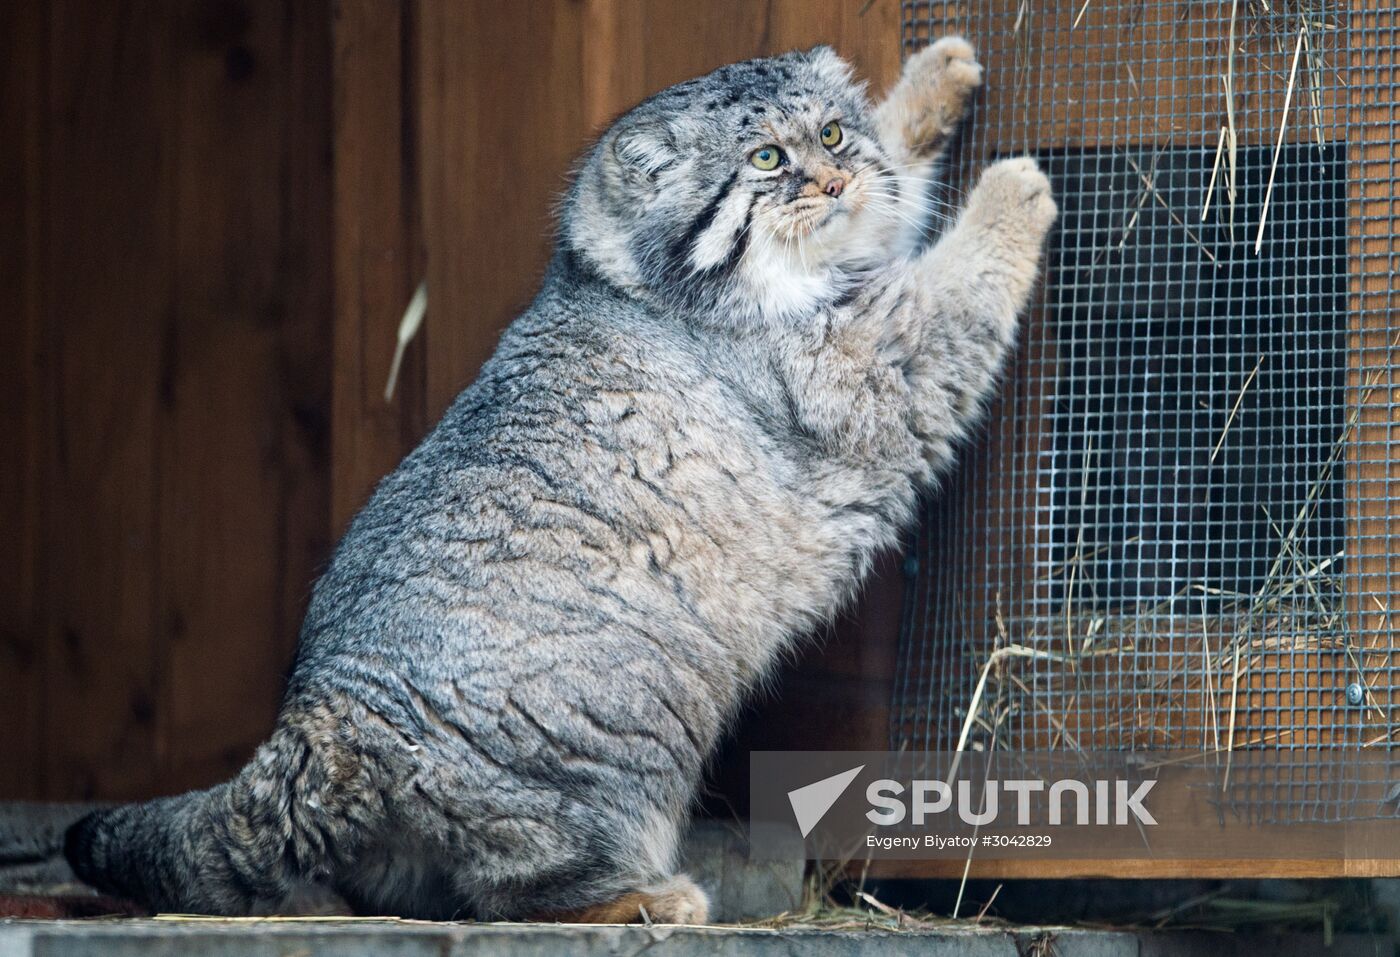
x=917, y=182
x=909, y=198
x=743, y=232
x=920, y=181
x=908, y=221
x=939, y=212
x=926, y=169
x=919, y=214
x=918, y=185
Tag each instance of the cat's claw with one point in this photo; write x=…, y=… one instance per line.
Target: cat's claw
x=950, y=62
x=933, y=96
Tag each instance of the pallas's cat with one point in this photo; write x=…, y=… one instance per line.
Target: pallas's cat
x=743, y=365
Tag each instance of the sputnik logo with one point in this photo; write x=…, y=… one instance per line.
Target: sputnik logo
x=811, y=802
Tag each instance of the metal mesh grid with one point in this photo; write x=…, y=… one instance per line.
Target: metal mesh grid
x=1179, y=529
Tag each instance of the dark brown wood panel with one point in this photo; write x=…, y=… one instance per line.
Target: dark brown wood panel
x=22, y=649
x=243, y=436
x=107, y=290
x=502, y=118
x=379, y=256
x=167, y=166
x=633, y=49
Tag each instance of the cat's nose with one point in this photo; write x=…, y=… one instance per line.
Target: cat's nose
x=834, y=185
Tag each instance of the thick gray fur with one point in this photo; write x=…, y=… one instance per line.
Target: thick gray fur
x=681, y=458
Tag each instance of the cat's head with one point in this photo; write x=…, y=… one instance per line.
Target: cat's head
x=757, y=189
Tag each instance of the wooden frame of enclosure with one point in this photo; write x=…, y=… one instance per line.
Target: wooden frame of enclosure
x=1366, y=107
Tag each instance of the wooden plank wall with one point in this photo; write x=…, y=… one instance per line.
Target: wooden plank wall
x=378, y=247
x=22, y=652
x=221, y=208
x=168, y=446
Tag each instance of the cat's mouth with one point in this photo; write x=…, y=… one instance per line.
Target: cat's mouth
x=807, y=215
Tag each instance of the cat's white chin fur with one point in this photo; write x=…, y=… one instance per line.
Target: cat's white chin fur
x=787, y=279
x=782, y=282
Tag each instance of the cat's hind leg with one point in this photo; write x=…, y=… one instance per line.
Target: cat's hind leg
x=595, y=862
x=399, y=881
x=676, y=900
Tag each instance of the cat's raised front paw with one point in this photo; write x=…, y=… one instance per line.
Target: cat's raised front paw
x=950, y=62
x=932, y=97
x=1014, y=195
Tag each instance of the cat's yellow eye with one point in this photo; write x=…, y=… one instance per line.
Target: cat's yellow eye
x=831, y=134
x=766, y=157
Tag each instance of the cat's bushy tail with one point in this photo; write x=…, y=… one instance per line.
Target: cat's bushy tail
x=237, y=848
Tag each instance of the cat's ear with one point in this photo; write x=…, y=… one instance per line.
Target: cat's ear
x=643, y=149
x=830, y=64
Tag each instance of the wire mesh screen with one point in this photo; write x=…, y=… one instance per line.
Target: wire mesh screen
x=1181, y=527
